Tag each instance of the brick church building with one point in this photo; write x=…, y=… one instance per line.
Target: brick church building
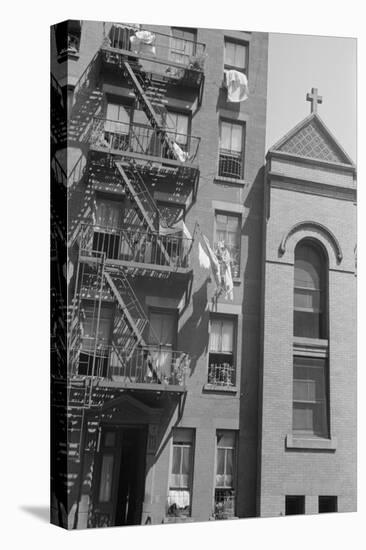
x=180, y=394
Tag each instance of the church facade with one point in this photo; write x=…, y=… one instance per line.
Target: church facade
x=208, y=295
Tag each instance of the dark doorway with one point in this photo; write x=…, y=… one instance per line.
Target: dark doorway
x=120, y=476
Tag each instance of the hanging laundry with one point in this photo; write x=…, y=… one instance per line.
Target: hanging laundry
x=224, y=258
x=237, y=86
x=143, y=42
x=182, y=155
x=215, y=266
x=203, y=259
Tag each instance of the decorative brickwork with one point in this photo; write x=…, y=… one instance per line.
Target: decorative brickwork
x=310, y=142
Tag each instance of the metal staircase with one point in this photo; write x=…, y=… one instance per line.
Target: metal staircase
x=150, y=98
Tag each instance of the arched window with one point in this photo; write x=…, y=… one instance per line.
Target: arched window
x=310, y=291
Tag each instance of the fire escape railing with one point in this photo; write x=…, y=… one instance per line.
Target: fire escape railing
x=147, y=364
x=115, y=136
x=136, y=245
x=188, y=53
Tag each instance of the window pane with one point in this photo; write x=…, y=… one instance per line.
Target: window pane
x=226, y=439
x=220, y=469
x=215, y=335
x=225, y=134
x=307, y=299
x=105, y=489
x=227, y=336
x=229, y=53
x=177, y=452
x=186, y=451
x=240, y=55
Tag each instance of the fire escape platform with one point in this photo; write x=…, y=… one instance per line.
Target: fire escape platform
x=193, y=77
x=144, y=158
x=138, y=268
x=142, y=386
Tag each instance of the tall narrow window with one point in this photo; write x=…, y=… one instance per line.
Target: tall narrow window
x=181, y=473
x=183, y=44
x=231, y=150
x=310, y=408
x=221, y=366
x=96, y=339
x=236, y=56
x=310, y=292
x=225, y=474
x=162, y=338
x=108, y=218
x=227, y=231
x=117, y=125
x=177, y=125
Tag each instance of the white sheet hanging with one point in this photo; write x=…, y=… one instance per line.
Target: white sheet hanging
x=143, y=42
x=237, y=86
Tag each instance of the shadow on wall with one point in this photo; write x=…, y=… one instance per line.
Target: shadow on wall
x=251, y=338
x=195, y=325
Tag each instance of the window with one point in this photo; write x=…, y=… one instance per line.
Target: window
x=117, y=125
x=162, y=338
x=177, y=125
x=108, y=218
x=328, y=504
x=183, y=44
x=94, y=355
x=310, y=409
x=310, y=291
x=236, y=55
x=225, y=474
x=221, y=367
x=181, y=473
x=295, y=504
x=231, y=149
x=68, y=34
x=227, y=231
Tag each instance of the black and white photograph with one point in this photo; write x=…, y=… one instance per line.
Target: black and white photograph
x=182, y=264
x=207, y=275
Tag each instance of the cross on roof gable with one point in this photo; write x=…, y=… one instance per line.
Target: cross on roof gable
x=312, y=139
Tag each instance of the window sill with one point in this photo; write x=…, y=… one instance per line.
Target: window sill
x=68, y=55
x=221, y=389
x=303, y=442
x=230, y=181
x=178, y=519
x=237, y=280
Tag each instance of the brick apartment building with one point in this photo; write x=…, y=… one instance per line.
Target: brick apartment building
x=185, y=403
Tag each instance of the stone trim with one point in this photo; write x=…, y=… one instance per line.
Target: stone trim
x=311, y=225
x=316, y=443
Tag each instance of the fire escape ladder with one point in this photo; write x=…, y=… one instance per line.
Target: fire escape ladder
x=76, y=405
x=144, y=201
x=132, y=313
x=152, y=110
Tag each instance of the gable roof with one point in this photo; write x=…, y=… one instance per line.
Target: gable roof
x=311, y=139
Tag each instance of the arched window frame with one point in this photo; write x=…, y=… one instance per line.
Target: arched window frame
x=317, y=296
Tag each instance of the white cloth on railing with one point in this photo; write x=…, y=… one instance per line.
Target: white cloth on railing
x=225, y=269
x=237, y=86
x=182, y=155
x=143, y=42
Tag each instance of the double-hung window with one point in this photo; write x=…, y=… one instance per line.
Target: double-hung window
x=310, y=414
x=117, y=125
x=221, y=364
x=225, y=474
x=227, y=233
x=236, y=56
x=183, y=44
x=231, y=149
x=181, y=473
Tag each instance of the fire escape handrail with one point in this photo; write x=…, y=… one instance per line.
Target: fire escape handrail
x=163, y=43
x=138, y=138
